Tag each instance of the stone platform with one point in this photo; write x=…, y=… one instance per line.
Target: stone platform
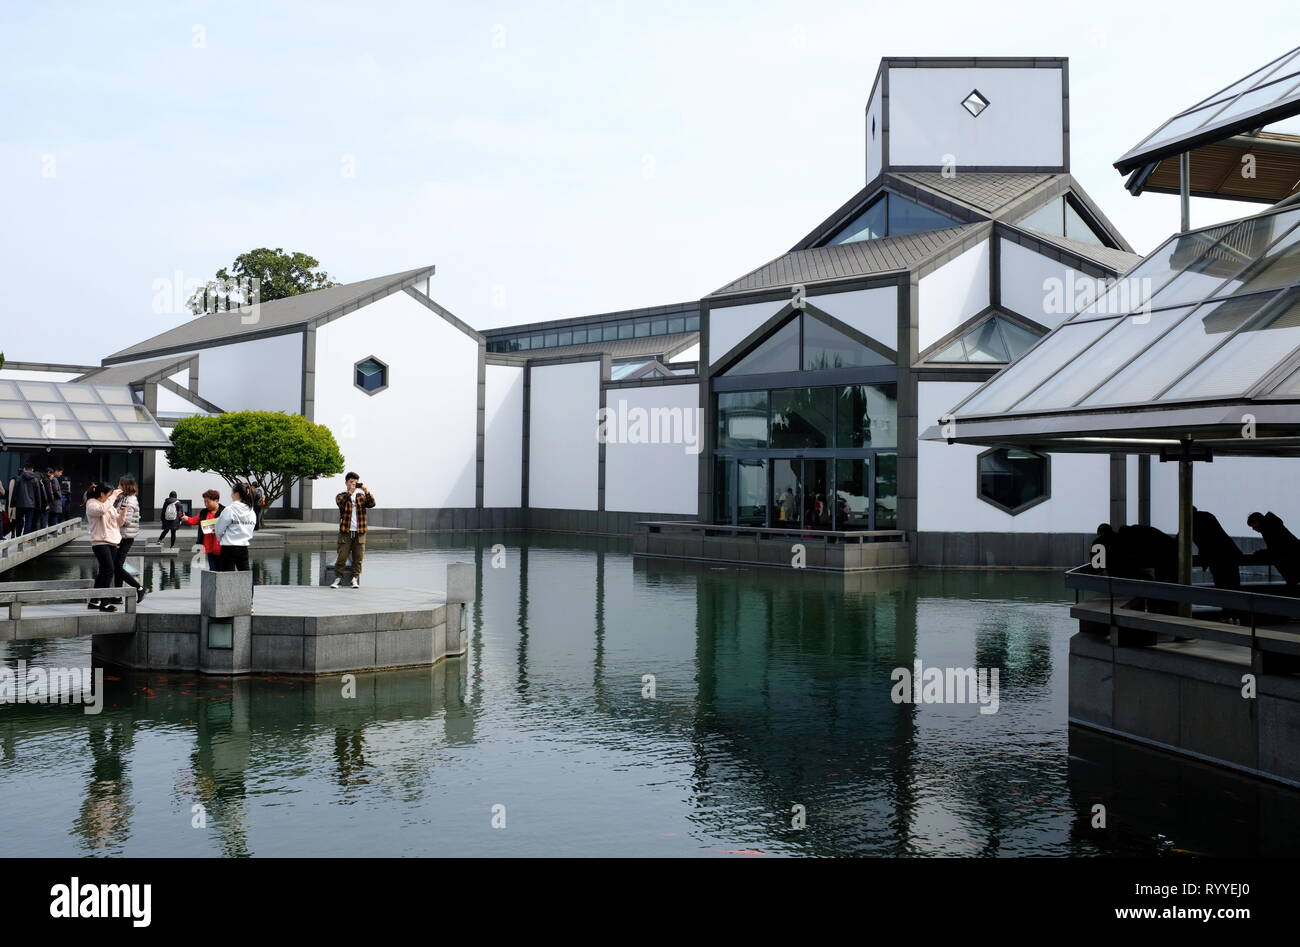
x=292, y=630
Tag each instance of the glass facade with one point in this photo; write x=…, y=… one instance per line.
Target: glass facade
x=600, y=332
x=823, y=348
x=808, y=458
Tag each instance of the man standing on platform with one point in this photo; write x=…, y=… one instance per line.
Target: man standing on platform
x=353, y=504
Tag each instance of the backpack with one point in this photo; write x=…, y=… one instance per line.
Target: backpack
x=169, y=509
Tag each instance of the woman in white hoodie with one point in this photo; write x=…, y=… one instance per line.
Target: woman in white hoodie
x=234, y=529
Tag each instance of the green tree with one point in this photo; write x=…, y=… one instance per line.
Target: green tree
x=276, y=274
x=269, y=449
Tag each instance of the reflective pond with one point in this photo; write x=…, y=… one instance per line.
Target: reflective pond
x=617, y=707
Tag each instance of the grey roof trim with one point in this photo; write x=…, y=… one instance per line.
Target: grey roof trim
x=646, y=345
x=51, y=367
x=446, y=314
x=986, y=193
x=1085, y=257
x=135, y=373
x=828, y=265
x=975, y=62
x=278, y=317
x=686, y=308
x=945, y=204
x=651, y=382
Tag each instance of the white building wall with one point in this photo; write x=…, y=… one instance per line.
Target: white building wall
x=946, y=482
x=729, y=325
x=952, y=294
x=875, y=132
x=873, y=312
x=12, y=374
x=414, y=442
x=649, y=477
x=188, y=484
x=1021, y=127
x=564, y=457
x=689, y=354
x=1039, y=288
x=503, y=436
x=260, y=375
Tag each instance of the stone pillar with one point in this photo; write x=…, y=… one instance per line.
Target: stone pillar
x=461, y=592
x=225, y=623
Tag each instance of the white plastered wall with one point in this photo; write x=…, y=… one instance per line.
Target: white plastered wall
x=1040, y=288
x=414, y=443
x=952, y=294
x=503, y=436
x=729, y=325
x=654, y=477
x=1021, y=127
x=873, y=312
x=946, y=481
x=564, y=456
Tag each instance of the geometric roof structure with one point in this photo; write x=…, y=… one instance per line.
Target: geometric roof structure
x=1200, y=341
x=64, y=414
x=974, y=202
x=274, y=317
x=1219, y=131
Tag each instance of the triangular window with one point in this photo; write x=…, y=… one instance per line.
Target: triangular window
x=1060, y=218
x=890, y=216
x=824, y=348
x=995, y=340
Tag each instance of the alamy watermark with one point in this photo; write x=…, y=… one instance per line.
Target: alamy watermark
x=38, y=685
x=936, y=685
x=1077, y=292
x=621, y=424
x=176, y=294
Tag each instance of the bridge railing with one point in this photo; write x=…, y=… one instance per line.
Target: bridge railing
x=1247, y=609
x=57, y=592
x=24, y=547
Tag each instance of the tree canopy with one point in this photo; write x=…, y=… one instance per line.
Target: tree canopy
x=278, y=274
x=269, y=449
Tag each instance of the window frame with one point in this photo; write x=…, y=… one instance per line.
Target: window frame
x=356, y=368
x=1029, y=504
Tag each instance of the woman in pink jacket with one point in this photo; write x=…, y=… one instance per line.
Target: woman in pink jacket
x=105, y=534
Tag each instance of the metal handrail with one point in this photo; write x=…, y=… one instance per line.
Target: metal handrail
x=1234, y=599
x=725, y=529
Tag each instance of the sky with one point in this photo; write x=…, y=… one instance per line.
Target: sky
x=551, y=159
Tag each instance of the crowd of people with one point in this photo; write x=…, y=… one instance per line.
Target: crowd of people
x=34, y=501
x=113, y=514
x=1136, y=551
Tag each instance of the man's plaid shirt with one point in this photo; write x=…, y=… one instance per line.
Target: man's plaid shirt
x=344, y=501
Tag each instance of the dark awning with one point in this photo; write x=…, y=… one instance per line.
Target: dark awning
x=1219, y=131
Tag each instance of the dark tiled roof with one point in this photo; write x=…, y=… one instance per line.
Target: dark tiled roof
x=861, y=258
x=135, y=371
x=986, y=191
x=292, y=311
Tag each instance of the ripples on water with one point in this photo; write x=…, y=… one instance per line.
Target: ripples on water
x=771, y=691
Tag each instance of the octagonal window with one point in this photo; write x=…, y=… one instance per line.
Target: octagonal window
x=1013, y=479
x=370, y=375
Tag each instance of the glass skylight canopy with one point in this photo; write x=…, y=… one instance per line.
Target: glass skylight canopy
x=1209, y=320
x=1268, y=94
x=63, y=415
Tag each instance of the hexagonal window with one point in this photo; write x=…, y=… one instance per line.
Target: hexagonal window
x=370, y=375
x=1013, y=479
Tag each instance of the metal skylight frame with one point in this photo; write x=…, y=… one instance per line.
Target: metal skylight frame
x=1274, y=298
x=68, y=415
x=1225, y=113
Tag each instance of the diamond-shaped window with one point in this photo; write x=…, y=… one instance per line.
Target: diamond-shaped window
x=975, y=103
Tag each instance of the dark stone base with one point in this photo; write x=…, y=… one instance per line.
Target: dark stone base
x=500, y=519
x=1003, y=550
x=1188, y=704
